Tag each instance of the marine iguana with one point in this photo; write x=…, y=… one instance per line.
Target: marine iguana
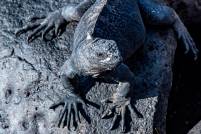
x=108, y=33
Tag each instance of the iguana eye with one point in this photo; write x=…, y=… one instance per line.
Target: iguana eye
x=100, y=55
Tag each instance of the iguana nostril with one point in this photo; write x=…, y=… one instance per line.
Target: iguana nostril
x=8, y=93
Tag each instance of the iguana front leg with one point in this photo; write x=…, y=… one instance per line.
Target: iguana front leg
x=121, y=100
x=71, y=99
x=158, y=14
x=56, y=21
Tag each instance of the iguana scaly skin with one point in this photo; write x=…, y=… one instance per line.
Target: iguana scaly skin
x=108, y=32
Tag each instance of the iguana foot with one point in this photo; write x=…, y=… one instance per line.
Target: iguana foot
x=118, y=107
x=70, y=115
x=42, y=25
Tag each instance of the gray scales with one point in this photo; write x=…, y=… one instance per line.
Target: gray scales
x=105, y=53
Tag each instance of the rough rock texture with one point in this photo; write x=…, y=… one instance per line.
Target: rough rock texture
x=196, y=129
x=29, y=82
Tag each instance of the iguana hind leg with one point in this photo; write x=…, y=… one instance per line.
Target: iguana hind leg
x=158, y=14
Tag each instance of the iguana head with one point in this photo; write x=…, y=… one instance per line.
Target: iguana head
x=101, y=55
